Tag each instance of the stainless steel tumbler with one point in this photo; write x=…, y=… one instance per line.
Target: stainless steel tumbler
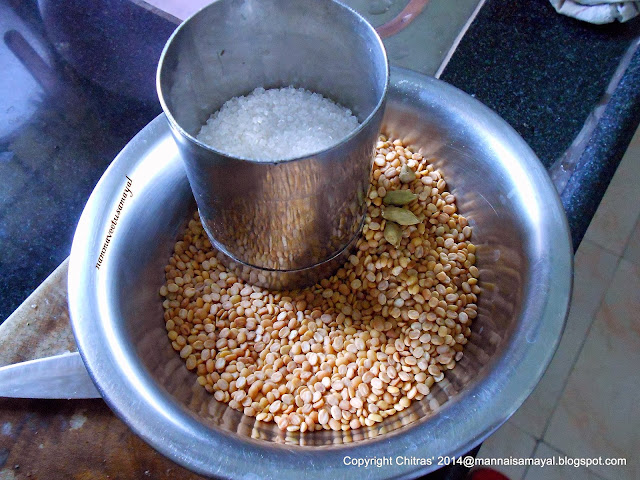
x=288, y=223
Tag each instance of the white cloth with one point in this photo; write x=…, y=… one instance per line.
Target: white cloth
x=597, y=11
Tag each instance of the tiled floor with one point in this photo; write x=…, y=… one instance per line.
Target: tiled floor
x=586, y=405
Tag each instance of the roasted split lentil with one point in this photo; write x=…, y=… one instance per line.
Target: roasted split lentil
x=353, y=349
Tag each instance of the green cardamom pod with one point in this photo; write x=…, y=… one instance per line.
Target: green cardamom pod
x=399, y=197
x=406, y=174
x=393, y=234
x=401, y=216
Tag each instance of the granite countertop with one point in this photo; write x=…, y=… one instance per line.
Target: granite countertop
x=70, y=100
x=571, y=89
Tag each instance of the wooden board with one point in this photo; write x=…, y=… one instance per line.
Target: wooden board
x=64, y=439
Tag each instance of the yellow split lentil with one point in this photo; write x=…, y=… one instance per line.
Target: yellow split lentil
x=353, y=349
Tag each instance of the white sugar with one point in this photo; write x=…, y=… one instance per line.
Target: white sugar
x=277, y=124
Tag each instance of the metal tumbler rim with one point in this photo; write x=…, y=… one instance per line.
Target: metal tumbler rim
x=177, y=127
